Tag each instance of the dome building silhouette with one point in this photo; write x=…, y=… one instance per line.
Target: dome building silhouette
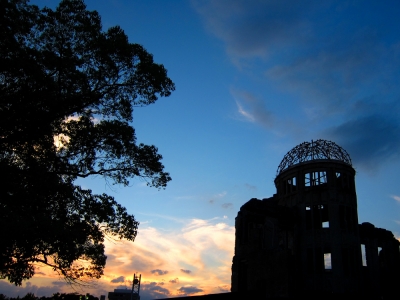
x=305, y=240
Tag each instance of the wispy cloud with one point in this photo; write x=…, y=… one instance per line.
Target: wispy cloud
x=252, y=109
x=227, y=205
x=118, y=279
x=216, y=197
x=159, y=272
x=186, y=271
x=395, y=197
x=250, y=187
x=246, y=114
x=166, y=217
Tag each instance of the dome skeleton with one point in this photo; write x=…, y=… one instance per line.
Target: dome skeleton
x=319, y=149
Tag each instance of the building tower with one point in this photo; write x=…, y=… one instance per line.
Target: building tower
x=306, y=238
x=317, y=180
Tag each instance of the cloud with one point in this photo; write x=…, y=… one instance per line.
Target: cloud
x=217, y=196
x=176, y=280
x=371, y=140
x=323, y=62
x=38, y=289
x=224, y=288
x=395, y=197
x=159, y=272
x=227, y=205
x=122, y=287
x=204, y=247
x=118, y=279
x=250, y=187
x=153, y=290
x=60, y=283
x=252, y=109
x=255, y=28
x=189, y=290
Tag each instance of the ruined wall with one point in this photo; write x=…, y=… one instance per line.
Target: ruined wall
x=263, y=249
x=380, y=261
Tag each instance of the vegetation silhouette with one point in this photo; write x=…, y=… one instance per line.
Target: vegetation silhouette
x=67, y=94
x=55, y=296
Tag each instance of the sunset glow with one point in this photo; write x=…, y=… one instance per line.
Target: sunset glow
x=194, y=260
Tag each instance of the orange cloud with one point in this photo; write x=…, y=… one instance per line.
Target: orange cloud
x=203, y=247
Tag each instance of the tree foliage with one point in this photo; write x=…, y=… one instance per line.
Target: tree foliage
x=67, y=94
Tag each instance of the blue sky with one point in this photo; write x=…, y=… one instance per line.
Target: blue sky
x=253, y=80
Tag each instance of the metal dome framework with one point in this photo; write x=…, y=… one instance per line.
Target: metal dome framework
x=308, y=151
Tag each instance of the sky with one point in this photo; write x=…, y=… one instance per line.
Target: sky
x=253, y=80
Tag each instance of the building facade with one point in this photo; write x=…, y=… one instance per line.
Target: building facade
x=306, y=240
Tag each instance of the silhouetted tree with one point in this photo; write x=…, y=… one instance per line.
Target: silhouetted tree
x=29, y=296
x=3, y=297
x=67, y=93
x=55, y=296
x=72, y=296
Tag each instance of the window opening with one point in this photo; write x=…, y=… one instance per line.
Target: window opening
x=307, y=179
x=382, y=258
x=325, y=224
x=338, y=179
x=322, y=177
x=308, y=217
x=315, y=178
x=328, y=261
x=364, y=255
x=290, y=185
